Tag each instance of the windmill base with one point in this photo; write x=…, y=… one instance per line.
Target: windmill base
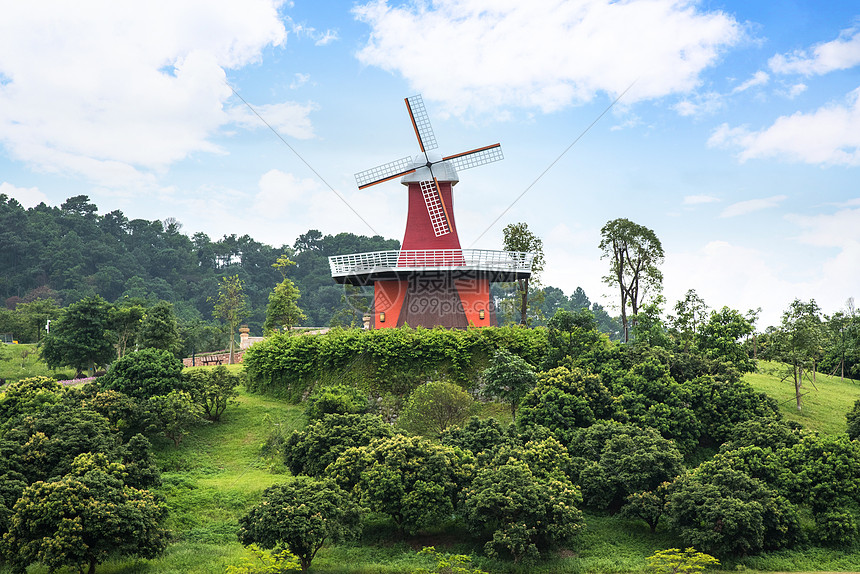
x=442, y=299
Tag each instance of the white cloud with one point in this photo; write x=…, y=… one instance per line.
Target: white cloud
x=829, y=136
x=26, y=196
x=109, y=89
x=299, y=80
x=752, y=205
x=326, y=38
x=699, y=199
x=839, y=54
x=479, y=54
x=760, y=78
x=700, y=104
x=288, y=118
x=839, y=229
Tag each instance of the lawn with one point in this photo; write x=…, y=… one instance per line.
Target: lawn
x=22, y=361
x=824, y=403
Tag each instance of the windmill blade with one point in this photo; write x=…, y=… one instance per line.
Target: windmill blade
x=384, y=172
x=435, y=207
x=421, y=123
x=476, y=157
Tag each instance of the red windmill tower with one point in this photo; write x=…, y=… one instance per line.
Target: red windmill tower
x=431, y=280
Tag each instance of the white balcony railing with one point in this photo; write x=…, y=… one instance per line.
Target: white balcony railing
x=406, y=259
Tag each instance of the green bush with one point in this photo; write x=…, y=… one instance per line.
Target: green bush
x=144, y=374
x=212, y=389
x=312, y=449
x=382, y=361
x=335, y=400
x=853, y=419
x=435, y=406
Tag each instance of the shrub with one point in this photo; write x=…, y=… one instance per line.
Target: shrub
x=174, y=413
x=435, y=406
x=335, y=400
x=29, y=396
x=853, y=419
x=676, y=561
x=311, y=450
x=411, y=479
x=212, y=389
x=302, y=515
x=521, y=515
x=144, y=374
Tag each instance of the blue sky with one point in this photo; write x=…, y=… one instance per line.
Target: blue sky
x=738, y=142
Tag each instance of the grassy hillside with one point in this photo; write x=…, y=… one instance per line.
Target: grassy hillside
x=218, y=473
x=22, y=361
x=824, y=404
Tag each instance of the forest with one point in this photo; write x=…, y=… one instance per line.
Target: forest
x=64, y=254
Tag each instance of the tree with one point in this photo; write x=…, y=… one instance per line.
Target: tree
x=231, y=306
x=721, y=339
x=518, y=238
x=521, y=515
x=125, y=322
x=509, y=378
x=174, y=413
x=83, y=518
x=144, y=374
x=312, y=449
x=212, y=389
x=690, y=313
x=435, y=406
x=160, y=330
x=798, y=341
x=80, y=338
x=570, y=336
x=635, y=253
x=411, y=479
x=337, y=399
x=283, y=309
x=303, y=515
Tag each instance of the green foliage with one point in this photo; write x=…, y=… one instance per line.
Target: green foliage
x=570, y=336
x=483, y=438
x=212, y=389
x=143, y=374
x=720, y=405
x=435, y=406
x=83, y=518
x=764, y=432
x=615, y=460
x=725, y=512
x=720, y=338
x=410, y=479
x=382, y=361
x=80, y=337
x=634, y=254
x=46, y=443
x=283, y=311
x=836, y=528
x=853, y=419
x=446, y=563
x=508, y=378
x=518, y=238
x=823, y=472
x=231, y=306
x=174, y=414
x=522, y=516
x=159, y=329
x=125, y=322
x=267, y=562
x=336, y=399
x=303, y=516
x=312, y=449
x=28, y=396
x=677, y=561
x=564, y=400
x=649, y=505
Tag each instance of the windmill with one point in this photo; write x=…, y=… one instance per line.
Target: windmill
x=431, y=281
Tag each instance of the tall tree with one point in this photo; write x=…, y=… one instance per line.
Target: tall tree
x=519, y=238
x=634, y=253
x=283, y=310
x=691, y=312
x=798, y=341
x=125, y=322
x=80, y=338
x=160, y=330
x=231, y=306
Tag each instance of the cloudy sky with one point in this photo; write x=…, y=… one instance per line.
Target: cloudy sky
x=736, y=139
